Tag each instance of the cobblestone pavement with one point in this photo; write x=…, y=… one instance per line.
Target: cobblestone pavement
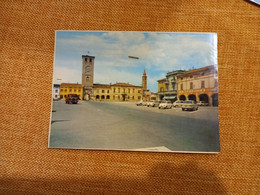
x=123, y=125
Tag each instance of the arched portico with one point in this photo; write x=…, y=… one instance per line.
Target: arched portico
x=192, y=97
x=182, y=97
x=204, y=98
x=215, y=99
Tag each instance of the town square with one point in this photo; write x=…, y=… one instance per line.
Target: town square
x=173, y=110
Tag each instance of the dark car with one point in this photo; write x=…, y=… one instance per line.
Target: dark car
x=72, y=99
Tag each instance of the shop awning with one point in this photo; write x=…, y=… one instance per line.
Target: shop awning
x=169, y=97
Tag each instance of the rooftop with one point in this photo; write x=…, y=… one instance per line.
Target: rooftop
x=70, y=85
x=197, y=70
x=125, y=85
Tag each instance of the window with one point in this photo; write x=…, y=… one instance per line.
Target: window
x=86, y=59
x=202, y=74
x=216, y=82
x=191, y=76
x=107, y=91
x=65, y=90
x=56, y=90
x=124, y=90
x=139, y=91
x=70, y=90
x=79, y=90
x=128, y=90
x=181, y=78
x=191, y=85
x=133, y=90
x=97, y=90
x=87, y=78
x=114, y=90
x=133, y=97
x=161, y=89
x=56, y=96
x=65, y=96
x=118, y=90
x=202, y=84
x=113, y=97
x=61, y=90
x=103, y=91
x=61, y=96
x=181, y=86
x=75, y=90
x=90, y=60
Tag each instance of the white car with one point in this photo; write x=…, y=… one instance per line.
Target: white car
x=203, y=103
x=165, y=104
x=177, y=103
x=189, y=105
x=153, y=103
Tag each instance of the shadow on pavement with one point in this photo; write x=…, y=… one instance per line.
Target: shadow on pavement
x=54, y=121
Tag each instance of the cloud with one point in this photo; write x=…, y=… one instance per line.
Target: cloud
x=66, y=75
x=157, y=52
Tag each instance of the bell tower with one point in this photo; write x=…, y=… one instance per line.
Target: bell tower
x=87, y=70
x=88, y=76
x=144, y=81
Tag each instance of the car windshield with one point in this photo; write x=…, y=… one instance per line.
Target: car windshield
x=188, y=102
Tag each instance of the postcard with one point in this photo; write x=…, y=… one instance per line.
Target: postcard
x=135, y=91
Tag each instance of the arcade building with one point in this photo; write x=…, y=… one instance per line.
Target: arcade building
x=199, y=85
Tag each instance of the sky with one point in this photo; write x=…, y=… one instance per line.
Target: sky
x=158, y=54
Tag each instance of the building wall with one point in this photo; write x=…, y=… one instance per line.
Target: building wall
x=161, y=86
x=117, y=93
x=65, y=90
x=56, y=93
x=200, y=84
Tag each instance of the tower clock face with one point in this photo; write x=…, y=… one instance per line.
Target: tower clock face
x=87, y=68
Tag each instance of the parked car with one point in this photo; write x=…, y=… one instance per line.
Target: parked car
x=72, y=99
x=144, y=103
x=140, y=103
x=177, y=103
x=165, y=104
x=153, y=103
x=203, y=103
x=189, y=105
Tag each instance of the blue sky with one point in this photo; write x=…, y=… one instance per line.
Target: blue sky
x=158, y=54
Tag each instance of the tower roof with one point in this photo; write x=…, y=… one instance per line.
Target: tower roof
x=144, y=72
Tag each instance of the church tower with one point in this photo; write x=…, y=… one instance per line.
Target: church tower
x=88, y=76
x=144, y=79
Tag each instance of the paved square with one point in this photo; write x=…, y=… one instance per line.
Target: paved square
x=123, y=125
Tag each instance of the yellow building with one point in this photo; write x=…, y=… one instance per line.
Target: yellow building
x=117, y=92
x=161, y=88
x=70, y=88
x=199, y=85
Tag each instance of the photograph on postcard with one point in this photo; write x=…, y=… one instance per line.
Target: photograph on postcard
x=135, y=91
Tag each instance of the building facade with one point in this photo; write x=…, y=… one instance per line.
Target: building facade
x=199, y=85
x=70, y=88
x=117, y=92
x=167, y=88
x=109, y=92
x=56, y=92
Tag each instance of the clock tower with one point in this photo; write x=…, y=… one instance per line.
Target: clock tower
x=88, y=76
